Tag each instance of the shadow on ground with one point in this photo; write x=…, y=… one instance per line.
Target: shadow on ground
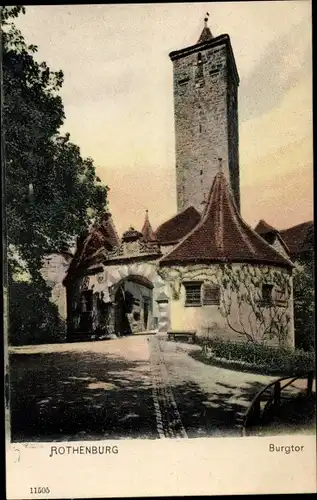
x=69, y=395
x=218, y=414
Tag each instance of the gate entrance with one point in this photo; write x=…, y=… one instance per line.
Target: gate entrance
x=133, y=303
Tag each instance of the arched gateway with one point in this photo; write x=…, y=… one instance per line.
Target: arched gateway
x=135, y=293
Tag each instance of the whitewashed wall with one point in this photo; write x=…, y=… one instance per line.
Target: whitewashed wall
x=53, y=272
x=207, y=320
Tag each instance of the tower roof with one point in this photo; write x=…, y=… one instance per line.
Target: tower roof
x=223, y=236
x=174, y=229
x=147, y=231
x=206, y=34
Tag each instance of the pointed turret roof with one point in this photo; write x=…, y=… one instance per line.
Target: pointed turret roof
x=223, y=236
x=206, y=34
x=147, y=231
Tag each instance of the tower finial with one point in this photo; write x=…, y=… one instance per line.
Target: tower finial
x=206, y=19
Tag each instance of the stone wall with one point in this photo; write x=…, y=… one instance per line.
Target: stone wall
x=212, y=320
x=206, y=123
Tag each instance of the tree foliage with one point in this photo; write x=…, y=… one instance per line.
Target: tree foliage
x=52, y=193
x=304, y=304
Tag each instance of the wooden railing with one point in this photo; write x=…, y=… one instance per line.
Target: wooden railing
x=271, y=395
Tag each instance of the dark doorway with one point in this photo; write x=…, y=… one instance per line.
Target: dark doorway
x=86, y=302
x=146, y=307
x=123, y=307
x=133, y=306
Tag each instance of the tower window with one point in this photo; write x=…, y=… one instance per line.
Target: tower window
x=183, y=81
x=200, y=130
x=200, y=67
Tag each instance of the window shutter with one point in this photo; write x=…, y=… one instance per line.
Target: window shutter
x=211, y=294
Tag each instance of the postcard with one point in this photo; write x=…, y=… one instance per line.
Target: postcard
x=158, y=234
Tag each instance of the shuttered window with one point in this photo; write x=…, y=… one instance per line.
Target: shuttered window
x=211, y=294
x=193, y=293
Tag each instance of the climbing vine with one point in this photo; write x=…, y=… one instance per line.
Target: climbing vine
x=241, y=299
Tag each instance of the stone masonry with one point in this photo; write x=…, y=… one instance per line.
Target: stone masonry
x=206, y=119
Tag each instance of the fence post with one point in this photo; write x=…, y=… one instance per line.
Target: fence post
x=277, y=393
x=310, y=379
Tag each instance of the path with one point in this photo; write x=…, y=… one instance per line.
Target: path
x=134, y=387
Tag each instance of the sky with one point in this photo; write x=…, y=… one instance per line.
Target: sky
x=118, y=98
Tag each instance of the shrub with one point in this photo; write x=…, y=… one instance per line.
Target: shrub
x=33, y=318
x=261, y=357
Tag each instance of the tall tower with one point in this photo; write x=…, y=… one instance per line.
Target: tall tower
x=206, y=118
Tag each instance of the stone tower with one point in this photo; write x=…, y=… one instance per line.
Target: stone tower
x=206, y=118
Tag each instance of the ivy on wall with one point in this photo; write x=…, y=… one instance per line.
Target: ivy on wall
x=241, y=301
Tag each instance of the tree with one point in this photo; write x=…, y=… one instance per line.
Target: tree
x=52, y=193
x=304, y=304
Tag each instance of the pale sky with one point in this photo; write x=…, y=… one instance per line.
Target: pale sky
x=118, y=98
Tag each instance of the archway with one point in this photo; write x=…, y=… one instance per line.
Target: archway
x=133, y=305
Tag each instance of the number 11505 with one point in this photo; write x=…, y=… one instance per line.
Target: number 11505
x=39, y=489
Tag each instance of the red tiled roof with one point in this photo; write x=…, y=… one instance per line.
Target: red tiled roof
x=147, y=231
x=223, y=236
x=92, y=245
x=264, y=228
x=299, y=238
x=173, y=230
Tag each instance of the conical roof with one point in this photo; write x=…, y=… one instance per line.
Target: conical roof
x=222, y=235
x=147, y=231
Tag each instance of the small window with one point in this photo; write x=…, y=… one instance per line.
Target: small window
x=267, y=293
x=183, y=81
x=200, y=67
x=136, y=316
x=211, y=294
x=193, y=294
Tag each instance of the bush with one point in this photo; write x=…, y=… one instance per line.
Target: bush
x=260, y=357
x=33, y=319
